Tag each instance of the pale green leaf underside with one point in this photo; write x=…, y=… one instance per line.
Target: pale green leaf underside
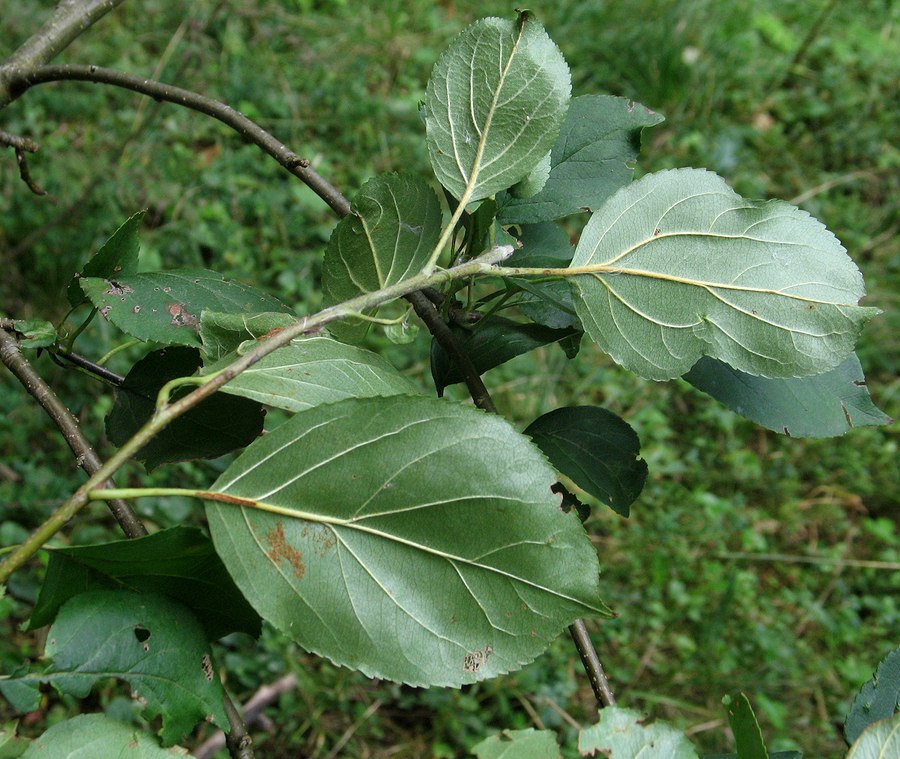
x=416, y=540
x=519, y=744
x=88, y=736
x=677, y=265
x=880, y=740
x=313, y=371
x=622, y=734
x=494, y=105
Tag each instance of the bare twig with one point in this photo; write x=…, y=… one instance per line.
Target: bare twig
x=19, y=143
x=25, y=174
x=89, y=366
x=600, y=685
x=87, y=459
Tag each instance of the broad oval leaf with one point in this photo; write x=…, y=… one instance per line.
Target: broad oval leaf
x=165, y=306
x=388, y=237
x=494, y=105
x=677, y=265
x=880, y=740
x=825, y=405
x=519, y=744
x=98, y=735
x=313, y=371
x=596, y=449
x=592, y=158
x=411, y=538
x=222, y=334
x=622, y=734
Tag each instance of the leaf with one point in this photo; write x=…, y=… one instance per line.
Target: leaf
x=880, y=740
x=877, y=699
x=222, y=333
x=621, y=734
x=34, y=333
x=165, y=306
x=825, y=405
x=96, y=735
x=596, y=449
x=389, y=236
x=118, y=256
x=179, y=563
x=519, y=744
x=11, y=745
x=154, y=643
x=592, y=158
x=677, y=265
x=494, y=105
x=493, y=341
x=313, y=371
x=413, y=539
x=217, y=425
x=747, y=735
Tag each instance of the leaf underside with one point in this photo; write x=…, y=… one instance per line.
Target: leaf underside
x=622, y=734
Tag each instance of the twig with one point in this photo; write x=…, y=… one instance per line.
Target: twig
x=87, y=459
x=599, y=684
x=238, y=740
x=348, y=733
x=891, y=566
x=19, y=143
x=89, y=366
x=25, y=174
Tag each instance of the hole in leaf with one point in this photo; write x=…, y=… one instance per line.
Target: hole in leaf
x=141, y=633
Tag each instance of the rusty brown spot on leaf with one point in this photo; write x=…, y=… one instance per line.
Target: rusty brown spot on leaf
x=182, y=317
x=225, y=498
x=116, y=289
x=272, y=333
x=206, y=664
x=474, y=660
x=280, y=549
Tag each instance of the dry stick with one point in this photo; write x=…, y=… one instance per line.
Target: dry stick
x=87, y=459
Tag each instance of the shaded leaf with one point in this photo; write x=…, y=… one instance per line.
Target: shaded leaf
x=410, y=538
x=222, y=333
x=748, y=738
x=824, y=405
x=880, y=740
x=621, y=734
x=11, y=745
x=494, y=105
x=118, y=256
x=519, y=744
x=215, y=426
x=165, y=306
x=493, y=341
x=389, y=236
x=592, y=158
x=96, y=735
x=677, y=265
x=154, y=643
x=34, y=333
x=877, y=699
x=313, y=371
x=179, y=563
x=596, y=449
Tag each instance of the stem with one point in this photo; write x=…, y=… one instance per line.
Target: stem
x=599, y=684
x=87, y=459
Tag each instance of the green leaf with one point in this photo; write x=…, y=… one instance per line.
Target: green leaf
x=534, y=182
x=621, y=734
x=222, y=333
x=96, y=735
x=165, y=306
x=877, y=699
x=154, y=643
x=11, y=745
x=519, y=744
x=825, y=405
x=493, y=341
x=217, y=425
x=34, y=333
x=313, y=371
x=880, y=740
x=592, y=158
x=748, y=738
x=117, y=257
x=410, y=538
x=389, y=236
x=596, y=449
x=677, y=265
x=180, y=563
x=494, y=105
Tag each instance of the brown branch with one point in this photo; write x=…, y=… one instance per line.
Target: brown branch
x=25, y=174
x=87, y=459
x=19, y=143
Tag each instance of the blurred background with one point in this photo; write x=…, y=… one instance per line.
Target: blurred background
x=751, y=561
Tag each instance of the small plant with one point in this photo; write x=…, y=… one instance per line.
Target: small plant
x=410, y=537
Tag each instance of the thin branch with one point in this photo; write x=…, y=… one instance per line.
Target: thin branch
x=599, y=684
x=87, y=459
x=246, y=128
x=25, y=174
x=89, y=366
x=19, y=143
x=238, y=740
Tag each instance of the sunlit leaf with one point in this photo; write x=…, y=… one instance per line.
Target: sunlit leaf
x=519, y=744
x=677, y=265
x=411, y=538
x=494, y=105
x=622, y=734
x=96, y=735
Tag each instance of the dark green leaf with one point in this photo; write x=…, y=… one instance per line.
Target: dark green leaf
x=748, y=738
x=154, y=643
x=411, y=538
x=519, y=744
x=313, y=371
x=596, y=449
x=877, y=699
x=165, y=306
x=493, y=341
x=217, y=425
x=117, y=257
x=825, y=405
x=180, y=563
x=592, y=158
x=34, y=333
x=96, y=735
x=222, y=334
x=622, y=734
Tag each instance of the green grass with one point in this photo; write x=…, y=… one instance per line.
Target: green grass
x=340, y=83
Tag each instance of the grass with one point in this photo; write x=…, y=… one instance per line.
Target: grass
x=704, y=576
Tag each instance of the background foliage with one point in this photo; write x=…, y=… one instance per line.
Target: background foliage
x=747, y=91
